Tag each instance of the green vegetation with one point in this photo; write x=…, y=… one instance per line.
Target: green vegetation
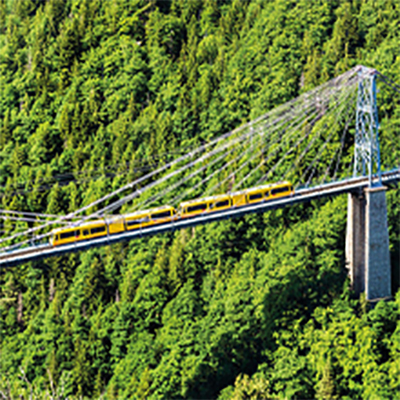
x=91, y=92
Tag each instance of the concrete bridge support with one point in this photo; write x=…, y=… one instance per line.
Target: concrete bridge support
x=367, y=243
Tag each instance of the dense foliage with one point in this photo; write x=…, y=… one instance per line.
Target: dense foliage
x=91, y=93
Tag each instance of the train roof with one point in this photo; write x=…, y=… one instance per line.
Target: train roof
x=204, y=199
x=75, y=225
x=209, y=198
x=261, y=187
x=150, y=210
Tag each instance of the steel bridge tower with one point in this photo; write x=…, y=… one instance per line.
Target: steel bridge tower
x=367, y=240
x=366, y=148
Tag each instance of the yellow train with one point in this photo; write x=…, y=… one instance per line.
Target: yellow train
x=165, y=214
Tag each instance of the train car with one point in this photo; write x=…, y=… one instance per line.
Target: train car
x=165, y=214
x=281, y=189
x=162, y=214
x=86, y=231
x=142, y=219
x=115, y=224
x=257, y=194
x=262, y=193
x=195, y=207
x=95, y=229
x=238, y=199
x=221, y=202
x=137, y=220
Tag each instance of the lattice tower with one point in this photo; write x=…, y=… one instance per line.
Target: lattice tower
x=366, y=150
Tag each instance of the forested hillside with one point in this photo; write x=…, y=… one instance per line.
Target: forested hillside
x=92, y=93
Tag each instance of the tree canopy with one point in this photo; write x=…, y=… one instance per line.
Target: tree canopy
x=258, y=307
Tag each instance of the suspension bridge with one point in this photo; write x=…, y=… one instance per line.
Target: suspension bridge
x=326, y=142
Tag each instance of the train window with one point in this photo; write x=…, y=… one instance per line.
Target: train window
x=86, y=232
x=99, y=229
x=69, y=234
x=137, y=221
x=164, y=214
x=255, y=196
x=197, y=207
x=279, y=190
x=223, y=203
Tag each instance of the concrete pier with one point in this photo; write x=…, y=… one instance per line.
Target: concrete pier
x=355, y=241
x=377, y=256
x=367, y=243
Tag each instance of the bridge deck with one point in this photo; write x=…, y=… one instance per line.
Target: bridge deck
x=303, y=195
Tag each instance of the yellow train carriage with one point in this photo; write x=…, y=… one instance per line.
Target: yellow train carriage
x=137, y=220
x=194, y=207
x=207, y=204
x=99, y=228
x=221, y=202
x=281, y=189
x=268, y=192
x=260, y=193
x=64, y=236
x=164, y=214
x=115, y=224
x=238, y=198
x=142, y=219
x=249, y=196
x=86, y=231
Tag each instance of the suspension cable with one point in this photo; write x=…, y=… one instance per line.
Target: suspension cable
x=293, y=130
x=339, y=151
x=282, y=139
x=304, y=152
x=389, y=82
x=322, y=148
x=140, y=191
x=32, y=214
x=241, y=155
x=341, y=80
